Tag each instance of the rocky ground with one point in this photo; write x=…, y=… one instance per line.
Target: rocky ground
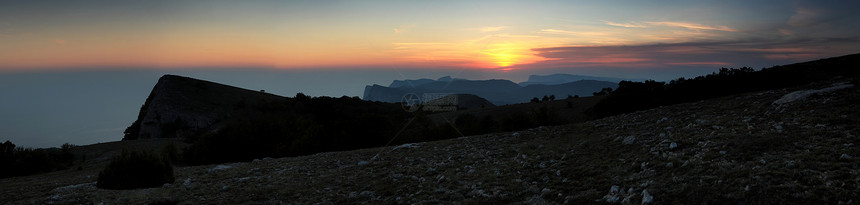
x=742, y=149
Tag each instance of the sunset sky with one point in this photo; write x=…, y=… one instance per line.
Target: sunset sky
x=495, y=35
x=78, y=71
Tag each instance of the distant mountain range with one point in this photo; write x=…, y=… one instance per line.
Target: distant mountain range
x=497, y=91
x=556, y=79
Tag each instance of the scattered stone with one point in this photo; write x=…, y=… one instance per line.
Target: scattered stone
x=803, y=94
x=629, y=140
x=187, y=184
x=778, y=128
x=536, y=200
x=613, y=195
x=219, y=168
x=646, y=197
x=410, y=145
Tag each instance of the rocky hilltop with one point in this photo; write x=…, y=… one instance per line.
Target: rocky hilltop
x=181, y=106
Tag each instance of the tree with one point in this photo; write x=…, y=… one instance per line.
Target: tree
x=535, y=100
x=605, y=91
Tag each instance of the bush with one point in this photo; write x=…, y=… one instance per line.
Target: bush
x=132, y=170
x=19, y=161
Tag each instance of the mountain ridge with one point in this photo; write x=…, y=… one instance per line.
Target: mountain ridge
x=497, y=91
x=561, y=78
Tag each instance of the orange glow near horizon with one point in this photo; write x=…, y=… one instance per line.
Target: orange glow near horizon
x=504, y=55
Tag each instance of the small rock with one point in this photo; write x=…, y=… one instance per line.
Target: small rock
x=613, y=195
x=362, y=163
x=662, y=120
x=187, y=184
x=545, y=190
x=536, y=200
x=646, y=197
x=220, y=167
x=629, y=140
x=366, y=193
x=669, y=165
x=673, y=145
x=778, y=128
x=762, y=161
x=845, y=156
x=410, y=145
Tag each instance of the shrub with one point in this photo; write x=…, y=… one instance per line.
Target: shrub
x=19, y=161
x=132, y=170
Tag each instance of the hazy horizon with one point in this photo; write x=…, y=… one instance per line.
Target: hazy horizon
x=49, y=108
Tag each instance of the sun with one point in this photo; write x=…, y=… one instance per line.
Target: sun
x=503, y=55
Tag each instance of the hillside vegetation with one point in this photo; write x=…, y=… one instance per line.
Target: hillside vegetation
x=634, y=96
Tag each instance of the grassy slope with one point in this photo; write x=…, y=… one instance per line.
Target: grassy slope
x=732, y=149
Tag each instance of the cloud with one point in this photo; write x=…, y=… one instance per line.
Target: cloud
x=626, y=25
x=59, y=41
x=755, y=53
x=491, y=29
x=693, y=26
x=686, y=25
x=804, y=17
x=403, y=29
x=576, y=33
x=786, y=32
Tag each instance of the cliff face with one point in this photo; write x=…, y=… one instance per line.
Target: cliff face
x=181, y=107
